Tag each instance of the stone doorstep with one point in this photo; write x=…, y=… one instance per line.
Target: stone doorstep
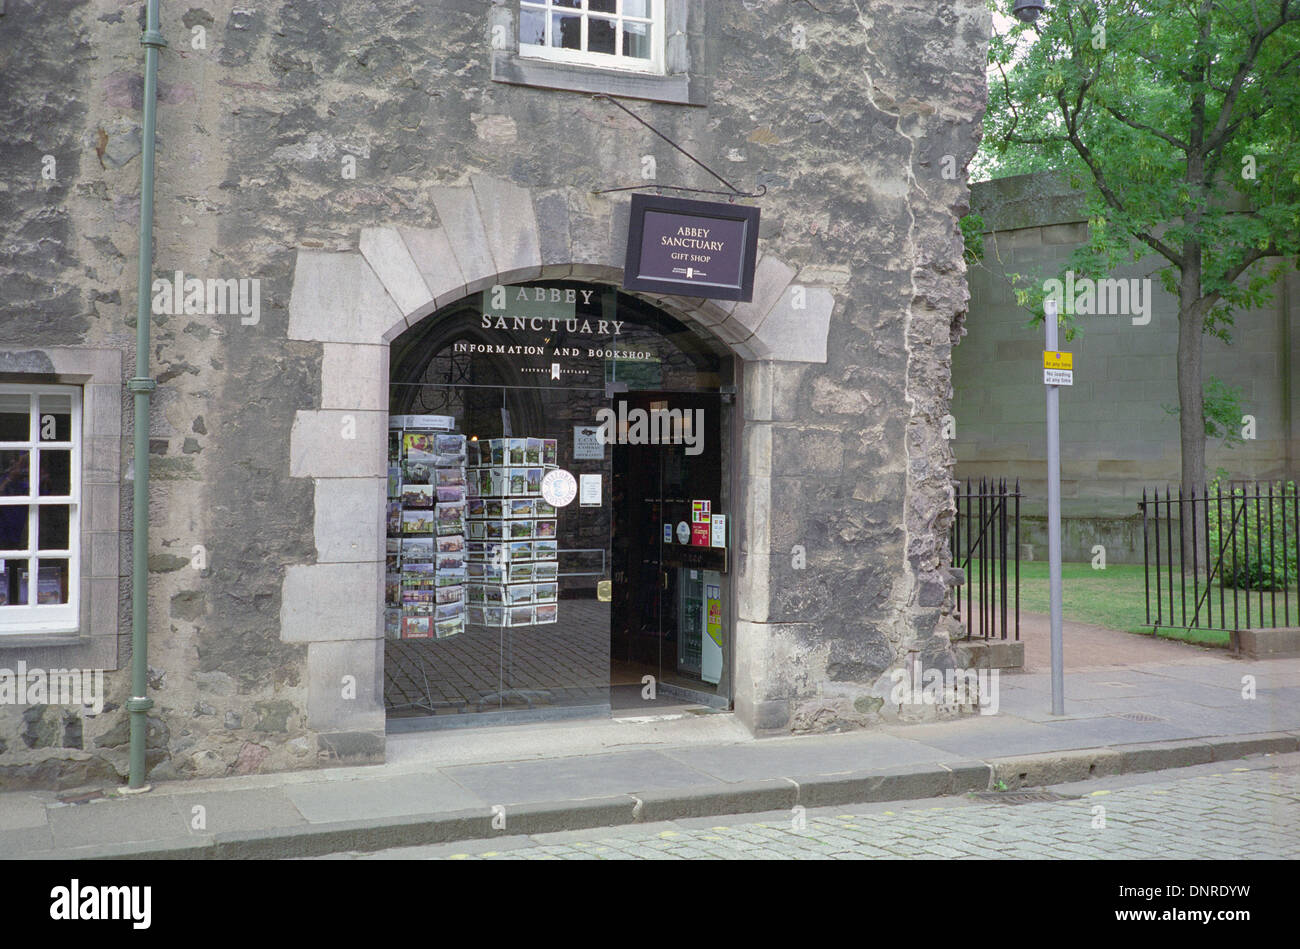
x=743, y=797
x=990, y=654
x=1281, y=642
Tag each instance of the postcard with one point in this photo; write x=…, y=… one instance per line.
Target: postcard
x=534, y=482
x=417, y=495
x=546, y=614
x=544, y=530
x=546, y=571
x=393, y=624
x=494, y=572
x=394, y=481
x=451, y=561
x=518, y=486
x=474, y=616
x=394, y=516
x=450, y=493
x=472, y=453
x=417, y=550
x=449, y=444
x=494, y=509
x=498, y=452
x=418, y=446
x=477, y=529
x=449, y=595
x=518, y=593
x=546, y=550
x=543, y=509
x=523, y=550
x=546, y=592
x=448, y=610
x=494, y=616
x=474, y=594
x=416, y=522
x=494, y=530
x=449, y=476
x=416, y=627
x=393, y=589
x=451, y=545
x=550, y=452
x=417, y=472
x=521, y=507
x=476, y=507
x=450, y=627
x=521, y=530
x=451, y=576
x=521, y=616
x=494, y=595
x=533, y=452
x=518, y=451
x=521, y=572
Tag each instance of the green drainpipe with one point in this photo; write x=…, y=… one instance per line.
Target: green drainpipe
x=141, y=385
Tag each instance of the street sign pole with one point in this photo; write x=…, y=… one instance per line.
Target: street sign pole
x=1054, y=519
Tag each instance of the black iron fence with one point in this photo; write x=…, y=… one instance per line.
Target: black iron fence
x=985, y=545
x=1224, y=558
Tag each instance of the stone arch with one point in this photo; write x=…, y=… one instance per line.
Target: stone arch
x=355, y=303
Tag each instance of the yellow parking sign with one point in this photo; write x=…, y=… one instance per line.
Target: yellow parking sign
x=1058, y=361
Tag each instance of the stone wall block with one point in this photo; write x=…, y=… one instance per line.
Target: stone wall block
x=511, y=227
x=319, y=446
x=338, y=298
x=330, y=602
x=771, y=278
x=354, y=377
x=334, y=670
x=431, y=251
x=458, y=211
x=797, y=335
x=349, y=523
x=391, y=260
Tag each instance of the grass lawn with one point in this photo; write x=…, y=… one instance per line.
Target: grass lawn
x=1115, y=598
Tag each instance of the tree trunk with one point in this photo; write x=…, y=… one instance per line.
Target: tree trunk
x=1191, y=392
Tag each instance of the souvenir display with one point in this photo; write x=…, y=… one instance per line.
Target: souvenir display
x=426, y=578
x=512, y=546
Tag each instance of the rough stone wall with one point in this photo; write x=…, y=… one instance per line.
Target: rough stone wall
x=1118, y=436
x=851, y=133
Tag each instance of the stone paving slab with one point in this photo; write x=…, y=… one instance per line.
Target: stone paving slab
x=380, y=797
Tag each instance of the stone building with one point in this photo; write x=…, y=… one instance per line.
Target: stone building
x=349, y=197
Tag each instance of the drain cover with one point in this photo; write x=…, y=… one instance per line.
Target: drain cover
x=1022, y=797
x=1143, y=717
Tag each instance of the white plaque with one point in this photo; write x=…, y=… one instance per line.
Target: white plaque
x=589, y=492
x=559, y=488
x=683, y=533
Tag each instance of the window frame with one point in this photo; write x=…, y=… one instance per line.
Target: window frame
x=34, y=617
x=584, y=57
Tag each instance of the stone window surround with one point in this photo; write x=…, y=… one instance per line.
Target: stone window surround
x=681, y=83
x=99, y=374
x=356, y=303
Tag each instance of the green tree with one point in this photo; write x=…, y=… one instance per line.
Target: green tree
x=1177, y=119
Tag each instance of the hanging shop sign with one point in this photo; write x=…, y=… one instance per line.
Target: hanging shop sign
x=693, y=248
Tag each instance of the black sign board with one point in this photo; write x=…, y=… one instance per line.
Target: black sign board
x=692, y=248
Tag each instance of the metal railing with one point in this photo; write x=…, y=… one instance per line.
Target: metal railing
x=1221, y=559
x=985, y=544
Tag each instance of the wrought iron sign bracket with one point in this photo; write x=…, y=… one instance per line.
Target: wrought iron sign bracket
x=731, y=194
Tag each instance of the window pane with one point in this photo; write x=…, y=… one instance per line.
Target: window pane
x=56, y=472
x=532, y=27
x=9, y=582
x=636, y=8
x=603, y=6
x=52, y=582
x=56, y=418
x=15, y=418
x=566, y=32
x=52, y=529
x=572, y=4
x=13, y=527
x=15, y=473
x=601, y=35
x=636, y=40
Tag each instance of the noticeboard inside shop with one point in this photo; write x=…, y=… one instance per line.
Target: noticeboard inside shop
x=692, y=248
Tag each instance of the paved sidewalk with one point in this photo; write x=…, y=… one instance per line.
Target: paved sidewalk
x=446, y=786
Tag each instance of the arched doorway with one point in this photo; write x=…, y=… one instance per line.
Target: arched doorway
x=506, y=601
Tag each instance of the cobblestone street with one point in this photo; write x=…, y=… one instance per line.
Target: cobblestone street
x=1225, y=812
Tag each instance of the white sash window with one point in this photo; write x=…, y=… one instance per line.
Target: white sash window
x=618, y=34
x=40, y=508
